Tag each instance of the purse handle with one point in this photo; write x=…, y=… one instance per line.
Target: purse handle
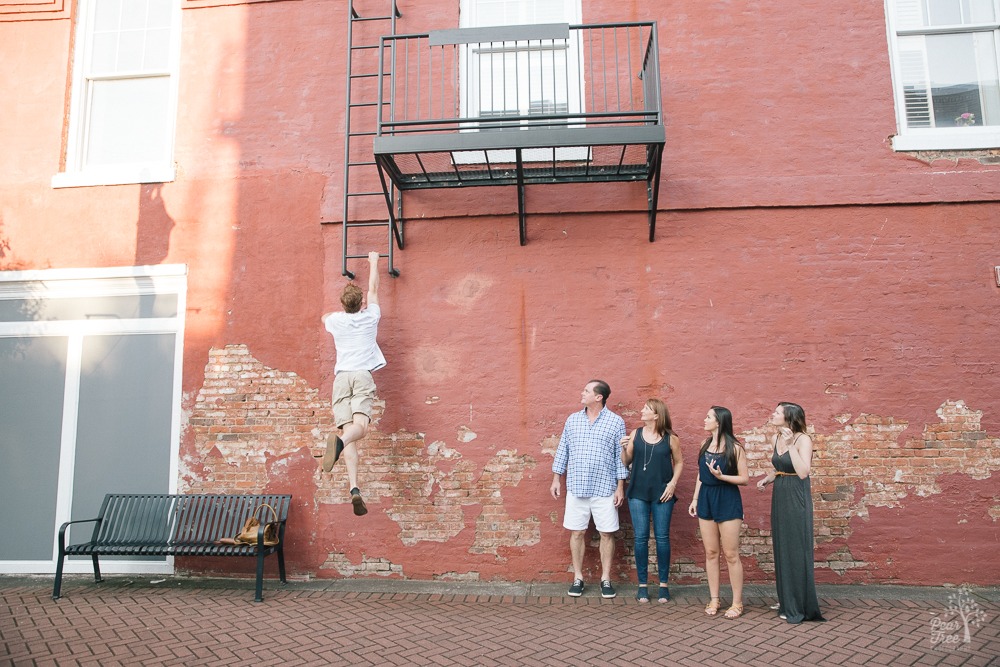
x=274, y=514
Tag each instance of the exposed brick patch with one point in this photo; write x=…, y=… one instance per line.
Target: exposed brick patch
x=457, y=576
x=427, y=501
x=249, y=420
x=839, y=561
x=983, y=156
x=246, y=415
x=865, y=465
x=379, y=567
x=868, y=454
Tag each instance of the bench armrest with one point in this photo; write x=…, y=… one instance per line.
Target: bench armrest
x=62, y=531
x=280, y=527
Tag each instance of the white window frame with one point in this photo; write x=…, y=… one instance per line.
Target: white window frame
x=470, y=91
x=936, y=138
x=76, y=172
x=161, y=279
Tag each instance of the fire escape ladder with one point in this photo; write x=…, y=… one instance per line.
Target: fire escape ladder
x=359, y=174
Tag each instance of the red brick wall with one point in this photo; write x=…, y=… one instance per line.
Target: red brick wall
x=797, y=258
x=483, y=370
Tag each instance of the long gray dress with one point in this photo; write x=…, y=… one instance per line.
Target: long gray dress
x=792, y=537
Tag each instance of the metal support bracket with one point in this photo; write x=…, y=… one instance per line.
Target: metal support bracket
x=395, y=223
x=522, y=231
x=653, y=189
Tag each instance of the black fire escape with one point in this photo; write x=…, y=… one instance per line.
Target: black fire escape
x=515, y=105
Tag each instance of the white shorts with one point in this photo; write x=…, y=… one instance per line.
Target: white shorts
x=579, y=511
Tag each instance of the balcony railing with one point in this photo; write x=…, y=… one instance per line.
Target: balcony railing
x=520, y=105
x=525, y=77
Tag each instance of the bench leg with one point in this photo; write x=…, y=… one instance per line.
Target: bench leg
x=281, y=564
x=97, y=570
x=259, y=596
x=57, y=586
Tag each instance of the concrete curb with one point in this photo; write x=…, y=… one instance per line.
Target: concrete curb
x=987, y=594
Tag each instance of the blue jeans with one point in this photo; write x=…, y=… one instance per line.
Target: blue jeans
x=661, y=514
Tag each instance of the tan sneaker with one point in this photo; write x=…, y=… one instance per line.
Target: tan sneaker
x=334, y=446
x=360, y=509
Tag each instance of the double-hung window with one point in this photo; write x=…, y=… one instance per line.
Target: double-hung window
x=521, y=78
x=945, y=62
x=123, y=105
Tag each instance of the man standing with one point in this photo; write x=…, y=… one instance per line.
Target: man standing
x=354, y=333
x=589, y=456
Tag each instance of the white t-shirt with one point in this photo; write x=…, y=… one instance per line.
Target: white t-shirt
x=354, y=336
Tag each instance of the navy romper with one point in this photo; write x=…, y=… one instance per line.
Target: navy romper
x=718, y=500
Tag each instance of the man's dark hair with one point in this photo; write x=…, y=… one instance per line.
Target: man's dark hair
x=602, y=389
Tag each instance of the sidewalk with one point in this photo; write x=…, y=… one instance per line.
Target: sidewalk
x=130, y=620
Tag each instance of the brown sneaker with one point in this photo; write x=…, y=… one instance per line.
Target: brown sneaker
x=334, y=446
x=360, y=509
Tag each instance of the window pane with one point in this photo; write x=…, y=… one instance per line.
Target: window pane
x=157, y=50
x=130, y=45
x=31, y=393
x=128, y=121
x=950, y=80
x=88, y=308
x=518, y=12
x=912, y=14
x=550, y=12
x=104, y=56
x=496, y=12
x=140, y=43
x=160, y=13
x=521, y=80
x=107, y=15
x=134, y=15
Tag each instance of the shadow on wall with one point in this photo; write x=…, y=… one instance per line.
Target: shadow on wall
x=5, y=263
x=153, y=228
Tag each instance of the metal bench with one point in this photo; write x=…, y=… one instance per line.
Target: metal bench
x=177, y=525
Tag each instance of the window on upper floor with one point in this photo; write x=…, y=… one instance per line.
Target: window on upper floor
x=944, y=62
x=521, y=78
x=124, y=90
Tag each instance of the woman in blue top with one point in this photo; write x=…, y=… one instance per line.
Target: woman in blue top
x=722, y=469
x=654, y=454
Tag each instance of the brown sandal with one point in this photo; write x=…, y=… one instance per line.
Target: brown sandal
x=734, y=611
x=712, y=608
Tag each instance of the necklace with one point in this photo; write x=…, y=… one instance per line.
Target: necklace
x=649, y=450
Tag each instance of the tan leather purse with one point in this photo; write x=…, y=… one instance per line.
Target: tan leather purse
x=248, y=535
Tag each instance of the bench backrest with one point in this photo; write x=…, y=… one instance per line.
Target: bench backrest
x=181, y=519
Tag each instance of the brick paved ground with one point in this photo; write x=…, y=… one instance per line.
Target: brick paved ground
x=180, y=621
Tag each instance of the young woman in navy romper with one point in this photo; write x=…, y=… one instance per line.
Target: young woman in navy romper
x=722, y=469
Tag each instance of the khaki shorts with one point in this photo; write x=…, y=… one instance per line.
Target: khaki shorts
x=353, y=392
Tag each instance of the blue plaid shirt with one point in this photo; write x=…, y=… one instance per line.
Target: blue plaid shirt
x=589, y=454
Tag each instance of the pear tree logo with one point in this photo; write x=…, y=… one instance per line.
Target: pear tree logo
x=952, y=629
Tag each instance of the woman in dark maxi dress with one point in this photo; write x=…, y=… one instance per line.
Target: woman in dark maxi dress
x=792, y=516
